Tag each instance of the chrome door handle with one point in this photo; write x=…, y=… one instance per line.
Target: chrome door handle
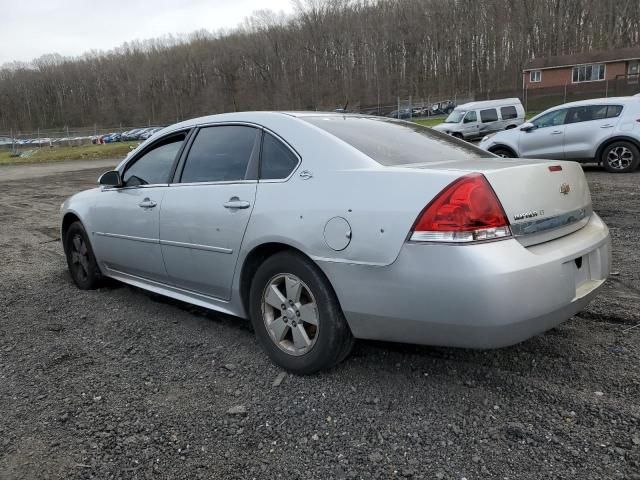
x=235, y=202
x=147, y=203
x=606, y=126
x=556, y=132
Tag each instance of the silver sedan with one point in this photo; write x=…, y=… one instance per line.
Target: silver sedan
x=323, y=228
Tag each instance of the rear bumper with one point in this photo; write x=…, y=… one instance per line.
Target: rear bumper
x=476, y=296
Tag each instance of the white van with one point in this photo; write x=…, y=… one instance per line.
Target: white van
x=477, y=119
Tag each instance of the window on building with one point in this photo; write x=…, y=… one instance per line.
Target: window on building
x=588, y=73
x=535, y=76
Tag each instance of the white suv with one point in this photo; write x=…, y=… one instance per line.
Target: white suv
x=604, y=130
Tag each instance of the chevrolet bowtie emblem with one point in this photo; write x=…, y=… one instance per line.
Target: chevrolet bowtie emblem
x=565, y=188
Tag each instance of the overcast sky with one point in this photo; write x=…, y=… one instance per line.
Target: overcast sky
x=30, y=28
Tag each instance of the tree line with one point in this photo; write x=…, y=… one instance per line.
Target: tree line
x=329, y=53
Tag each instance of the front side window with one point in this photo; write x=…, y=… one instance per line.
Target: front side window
x=489, y=115
x=471, y=117
x=220, y=154
x=535, y=76
x=276, y=160
x=551, y=119
x=508, y=113
x=588, y=73
x=155, y=165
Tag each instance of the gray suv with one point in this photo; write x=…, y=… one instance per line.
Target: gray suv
x=604, y=130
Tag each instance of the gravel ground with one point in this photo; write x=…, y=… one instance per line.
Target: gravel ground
x=118, y=383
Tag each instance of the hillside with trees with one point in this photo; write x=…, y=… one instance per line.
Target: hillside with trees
x=327, y=54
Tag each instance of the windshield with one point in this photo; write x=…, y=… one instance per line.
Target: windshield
x=390, y=142
x=455, y=117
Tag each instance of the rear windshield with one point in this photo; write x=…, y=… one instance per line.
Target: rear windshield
x=391, y=142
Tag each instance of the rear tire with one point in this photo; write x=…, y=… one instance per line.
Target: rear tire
x=620, y=157
x=80, y=258
x=296, y=315
x=503, y=152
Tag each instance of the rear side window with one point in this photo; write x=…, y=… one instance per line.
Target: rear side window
x=508, y=112
x=391, y=142
x=276, y=160
x=154, y=166
x=489, y=115
x=219, y=154
x=587, y=113
x=581, y=114
x=614, y=111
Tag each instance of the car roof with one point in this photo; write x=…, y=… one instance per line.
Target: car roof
x=599, y=101
x=256, y=116
x=489, y=103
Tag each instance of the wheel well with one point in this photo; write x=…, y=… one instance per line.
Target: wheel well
x=609, y=141
x=503, y=147
x=509, y=127
x=68, y=219
x=252, y=262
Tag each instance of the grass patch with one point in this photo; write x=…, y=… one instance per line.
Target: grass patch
x=60, y=153
x=432, y=122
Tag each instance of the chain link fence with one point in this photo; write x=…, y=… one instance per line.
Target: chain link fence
x=407, y=108
x=18, y=141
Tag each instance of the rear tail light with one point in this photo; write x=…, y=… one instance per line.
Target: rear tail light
x=467, y=210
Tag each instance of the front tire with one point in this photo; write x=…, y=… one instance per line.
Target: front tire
x=80, y=258
x=620, y=157
x=503, y=152
x=296, y=315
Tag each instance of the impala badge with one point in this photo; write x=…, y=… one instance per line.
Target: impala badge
x=565, y=188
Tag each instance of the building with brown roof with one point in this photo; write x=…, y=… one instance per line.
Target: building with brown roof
x=585, y=67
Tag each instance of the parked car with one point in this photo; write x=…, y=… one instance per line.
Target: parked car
x=148, y=132
x=477, y=119
x=464, y=249
x=605, y=130
x=131, y=135
x=442, y=108
x=7, y=142
x=403, y=113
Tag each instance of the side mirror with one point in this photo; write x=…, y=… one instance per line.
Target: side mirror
x=527, y=127
x=110, y=179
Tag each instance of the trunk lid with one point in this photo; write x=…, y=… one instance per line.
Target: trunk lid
x=543, y=199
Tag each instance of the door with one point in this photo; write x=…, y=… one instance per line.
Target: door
x=126, y=220
x=546, y=138
x=489, y=121
x=205, y=212
x=587, y=127
x=470, y=125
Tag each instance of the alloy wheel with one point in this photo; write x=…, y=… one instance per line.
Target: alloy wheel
x=620, y=158
x=290, y=314
x=79, y=257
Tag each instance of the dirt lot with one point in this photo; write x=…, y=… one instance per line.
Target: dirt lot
x=118, y=383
